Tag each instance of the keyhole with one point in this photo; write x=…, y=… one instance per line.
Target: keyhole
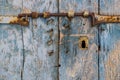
x=83, y=45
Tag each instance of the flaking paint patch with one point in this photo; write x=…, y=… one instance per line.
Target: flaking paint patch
x=85, y=65
x=26, y=10
x=17, y=3
x=71, y=72
x=112, y=65
x=81, y=65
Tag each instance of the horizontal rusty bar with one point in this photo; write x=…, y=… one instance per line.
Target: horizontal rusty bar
x=23, y=18
x=48, y=14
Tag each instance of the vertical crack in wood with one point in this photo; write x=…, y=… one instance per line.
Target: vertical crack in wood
x=23, y=53
x=58, y=40
x=98, y=42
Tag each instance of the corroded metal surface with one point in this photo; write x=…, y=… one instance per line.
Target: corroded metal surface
x=106, y=19
x=14, y=20
x=95, y=18
x=33, y=53
x=8, y=19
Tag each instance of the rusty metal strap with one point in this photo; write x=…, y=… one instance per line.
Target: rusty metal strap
x=14, y=20
x=23, y=19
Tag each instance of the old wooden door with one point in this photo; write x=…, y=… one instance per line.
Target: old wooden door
x=49, y=49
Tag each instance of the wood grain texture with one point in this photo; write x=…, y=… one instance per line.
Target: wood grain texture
x=41, y=42
x=11, y=48
x=77, y=64
x=109, y=35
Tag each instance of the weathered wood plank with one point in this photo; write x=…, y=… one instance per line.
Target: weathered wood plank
x=11, y=48
x=109, y=35
x=41, y=42
x=77, y=64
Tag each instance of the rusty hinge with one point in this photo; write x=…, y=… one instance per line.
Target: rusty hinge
x=23, y=19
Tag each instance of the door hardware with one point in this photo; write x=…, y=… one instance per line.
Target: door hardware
x=14, y=20
x=83, y=42
x=23, y=18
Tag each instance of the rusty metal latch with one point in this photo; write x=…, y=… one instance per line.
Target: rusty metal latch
x=23, y=19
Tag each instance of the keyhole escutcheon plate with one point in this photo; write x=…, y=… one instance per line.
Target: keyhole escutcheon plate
x=83, y=43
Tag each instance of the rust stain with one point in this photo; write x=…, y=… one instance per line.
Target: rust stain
x=20, y=21
x=0, y=19
x=61, y=37
x=106, y=19
x=14, y=20
x=50, y=42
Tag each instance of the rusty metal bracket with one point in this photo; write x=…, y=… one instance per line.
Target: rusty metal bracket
x=23, y=19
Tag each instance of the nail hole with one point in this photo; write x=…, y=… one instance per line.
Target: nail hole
x=66, y=25
x=50, y=21
x=83, y=23
x=58, y=65
x=51, y=30
x=50, y=42
x=50, y=53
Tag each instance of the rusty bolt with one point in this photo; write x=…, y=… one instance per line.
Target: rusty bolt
x=71, y=13
x=46, y=14
x=20, y=21
x=86, y=14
